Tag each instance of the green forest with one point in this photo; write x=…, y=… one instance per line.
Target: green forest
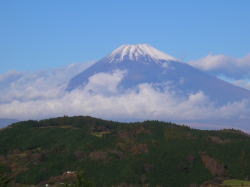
x=86, y=151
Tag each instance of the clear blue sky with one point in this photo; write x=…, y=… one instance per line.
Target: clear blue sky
x=39, y=34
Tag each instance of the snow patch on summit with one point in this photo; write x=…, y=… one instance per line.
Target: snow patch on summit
x=138, y=51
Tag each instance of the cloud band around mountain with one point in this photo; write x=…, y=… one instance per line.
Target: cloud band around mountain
x=234, y=70
x=100, y=99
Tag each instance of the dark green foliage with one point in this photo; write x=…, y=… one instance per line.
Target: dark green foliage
x=81, y=181
x=4, y=180
x=112, y=153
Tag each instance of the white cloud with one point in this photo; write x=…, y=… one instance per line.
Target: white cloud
x=142, y=103
x=221, y=64
x=37, y=85
x=42, y=95
x=10, y=76
x=245, y=83
x=233, y=70
x=105, y=83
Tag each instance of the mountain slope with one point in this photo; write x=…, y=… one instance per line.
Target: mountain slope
x=111, y=153
x=144, y=64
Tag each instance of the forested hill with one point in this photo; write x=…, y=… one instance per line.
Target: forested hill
x=107, y=153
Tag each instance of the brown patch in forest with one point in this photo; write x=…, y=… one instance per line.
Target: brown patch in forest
x=18, y=160
x=140, y=130
x=216, y=182
x=123, y=146
x=139, y=148
x=98, y=155
x=191, y=136
x=214, y=166
x=66, y=177
x=124, y=184
x=190, y=158
x=79, y=155
x=210, y=184
x=58, y=126
x=101, y=129
x=218, y=140
x=131, y=133
x=14, y=162
x=124, y=135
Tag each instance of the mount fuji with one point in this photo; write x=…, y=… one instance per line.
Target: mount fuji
x=132, y=83
x=143, y=63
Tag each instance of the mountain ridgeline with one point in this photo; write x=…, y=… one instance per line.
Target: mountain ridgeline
x=149, y=153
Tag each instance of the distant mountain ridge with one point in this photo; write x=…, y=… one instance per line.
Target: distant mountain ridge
x=6, y=122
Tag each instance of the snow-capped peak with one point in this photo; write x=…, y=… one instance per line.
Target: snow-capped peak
x=138, y=51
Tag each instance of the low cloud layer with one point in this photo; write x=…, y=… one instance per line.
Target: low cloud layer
x=237, y=68
x=101, y=97
x=27, y=86
x=234, y=70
